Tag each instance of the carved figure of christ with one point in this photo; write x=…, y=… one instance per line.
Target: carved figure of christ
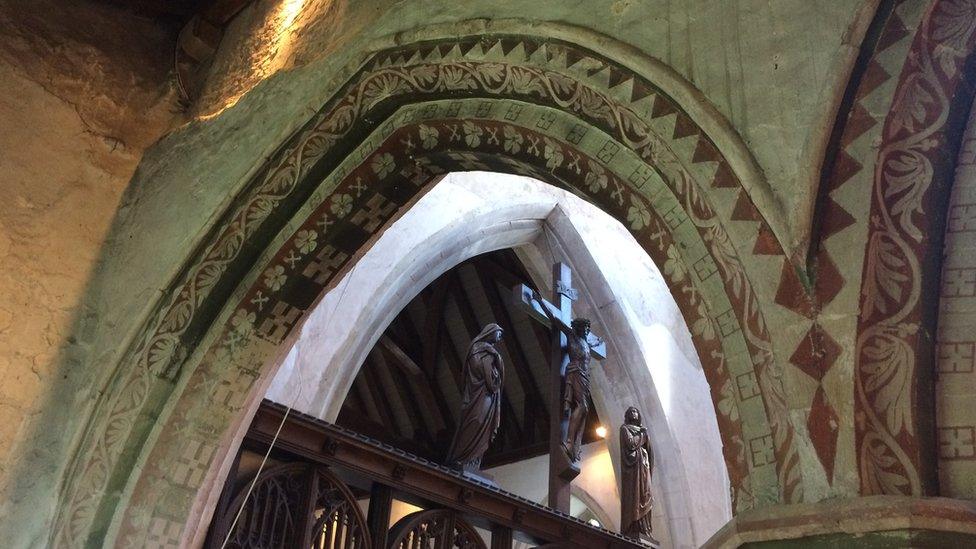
x=572, y=348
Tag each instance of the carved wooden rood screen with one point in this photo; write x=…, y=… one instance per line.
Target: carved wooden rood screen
x=320, y=478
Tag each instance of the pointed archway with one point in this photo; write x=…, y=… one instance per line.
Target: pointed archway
x=520, y=104
x=653, y=363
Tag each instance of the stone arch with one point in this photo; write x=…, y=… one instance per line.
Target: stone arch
x=539, y=107
x=544, y=226
x=895, y=353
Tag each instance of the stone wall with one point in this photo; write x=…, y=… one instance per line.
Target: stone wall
x=773, y=70
x=84, y=90
x=956, y=349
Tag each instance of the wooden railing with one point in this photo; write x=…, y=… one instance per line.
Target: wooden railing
x=434, y=528
x=344, y=463
x=292, y=505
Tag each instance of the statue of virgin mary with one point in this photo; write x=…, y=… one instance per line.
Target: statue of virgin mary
x=481, y=400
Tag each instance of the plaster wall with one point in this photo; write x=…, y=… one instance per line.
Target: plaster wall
x=597, y=484
x=83, y=93
x=774, y=70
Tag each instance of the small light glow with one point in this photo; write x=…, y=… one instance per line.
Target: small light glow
x=593, y=521
x=270, y=51
x=601, y=431
x=289, y=11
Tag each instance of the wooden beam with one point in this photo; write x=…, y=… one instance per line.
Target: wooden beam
x=353, y=402
x=502, y=272
x=378, y=518
x=391, y=390
x=431, y=337
x=376, y=392
x=423, y=397
x=428, y=391
x=532, y=395
x=412, y=399
x=371, y=408
x=434, y=321
x=471, y=323
x=409, y=378
x=401, y=332
x=417, y=313
x=505, y=266
x=403, y=361
x=501, y=537
x=435, y=396
x=383, y=433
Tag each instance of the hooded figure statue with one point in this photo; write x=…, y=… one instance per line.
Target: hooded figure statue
x=636, y=461
x=481, y=400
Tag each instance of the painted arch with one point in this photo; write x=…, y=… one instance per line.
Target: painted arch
x=895, y=356
x=538, y=107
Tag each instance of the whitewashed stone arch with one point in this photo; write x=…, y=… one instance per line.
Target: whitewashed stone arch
x=472, y=213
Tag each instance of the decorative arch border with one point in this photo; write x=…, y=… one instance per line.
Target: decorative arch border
x=895, y=367
x=538, y=107
x=839, y=220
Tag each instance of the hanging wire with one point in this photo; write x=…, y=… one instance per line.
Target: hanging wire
x=284, y=418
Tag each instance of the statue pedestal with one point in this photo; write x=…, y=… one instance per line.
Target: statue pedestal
x=566, y=468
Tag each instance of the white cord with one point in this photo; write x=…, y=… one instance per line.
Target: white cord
x=250, y=488
x=284, y=418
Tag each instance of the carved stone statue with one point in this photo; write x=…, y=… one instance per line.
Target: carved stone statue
x=636, y=461
x=481, y=400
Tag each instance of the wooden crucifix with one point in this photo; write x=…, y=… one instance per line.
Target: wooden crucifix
x=572, y=347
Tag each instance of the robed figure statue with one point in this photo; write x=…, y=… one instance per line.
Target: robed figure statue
x=636, y=461
x=481, y=401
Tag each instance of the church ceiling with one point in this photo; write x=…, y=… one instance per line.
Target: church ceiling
x=408, y=392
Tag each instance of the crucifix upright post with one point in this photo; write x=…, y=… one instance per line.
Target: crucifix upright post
x=557, y=316
x=562, y=470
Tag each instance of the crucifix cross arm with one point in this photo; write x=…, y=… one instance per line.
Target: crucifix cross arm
x=550, y=315
x=598, y=347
